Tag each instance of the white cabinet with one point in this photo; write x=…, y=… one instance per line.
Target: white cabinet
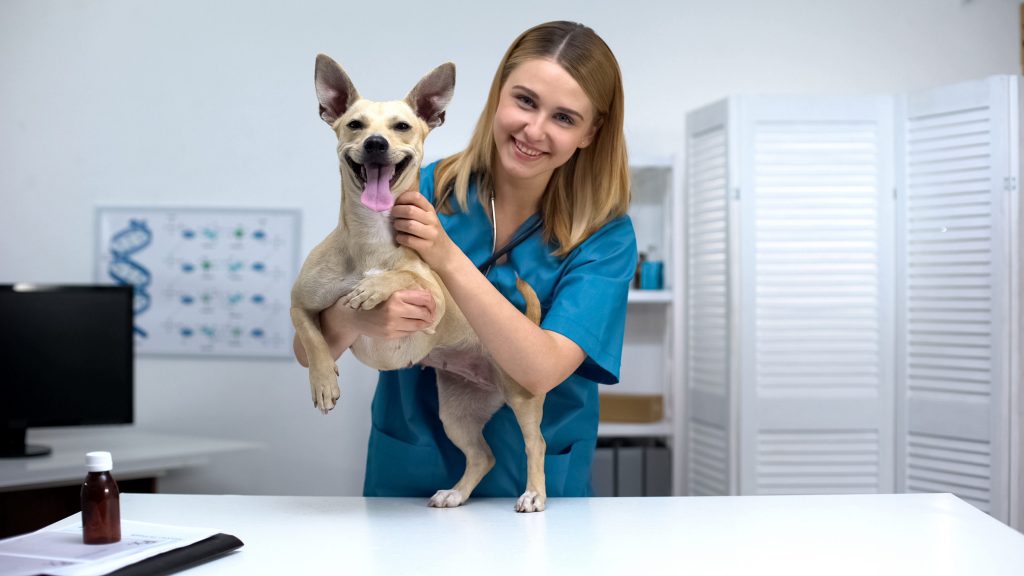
x=652, y=341
x=852, y=302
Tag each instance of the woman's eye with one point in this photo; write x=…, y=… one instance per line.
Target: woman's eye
x=525, y=100
x=354, y=125
x=565, y=119
x=402, y=126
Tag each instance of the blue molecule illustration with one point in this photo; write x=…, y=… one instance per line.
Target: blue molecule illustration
x=259, y=235
x=257, y=333
x=126, y=271
x=258, y=299
x=187, y=299
x=259, y=266
x=188, y=234
x=186, y=332
x=188, y=267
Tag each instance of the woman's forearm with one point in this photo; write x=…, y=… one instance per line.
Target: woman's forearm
x=537, y=359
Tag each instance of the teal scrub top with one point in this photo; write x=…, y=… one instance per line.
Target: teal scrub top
x=583, y=297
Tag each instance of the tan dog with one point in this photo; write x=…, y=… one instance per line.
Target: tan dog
x=380, y=147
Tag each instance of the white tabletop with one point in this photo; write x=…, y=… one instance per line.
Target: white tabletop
x=933, y=534
x=137, y=454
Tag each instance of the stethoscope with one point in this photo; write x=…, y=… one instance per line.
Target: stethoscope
x=516, y=240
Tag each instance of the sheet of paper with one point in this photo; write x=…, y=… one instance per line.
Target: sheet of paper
x=58, y=549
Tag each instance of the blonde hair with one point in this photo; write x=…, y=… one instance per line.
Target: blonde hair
x=592, y=187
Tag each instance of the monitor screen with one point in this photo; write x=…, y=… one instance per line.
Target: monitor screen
x=67, y=358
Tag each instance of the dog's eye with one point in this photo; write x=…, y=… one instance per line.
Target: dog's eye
x=403, y=127
x=354, y=125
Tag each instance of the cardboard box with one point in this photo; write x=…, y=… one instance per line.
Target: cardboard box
x=635, y=408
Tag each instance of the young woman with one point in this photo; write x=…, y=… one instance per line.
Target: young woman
x=546, y=175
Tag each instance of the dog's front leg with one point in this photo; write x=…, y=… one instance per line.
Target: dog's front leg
x=377, y=287
x=323, y=372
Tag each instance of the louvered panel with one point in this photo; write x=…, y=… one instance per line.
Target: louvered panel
x=948, y=268
x=708, y=308
x=707, y=229
x=954, y=354
x=795, y=277
x=926, y=338
x=708, y=452
x=945, y=295
x=939, y=126
x=817, y=354
x=818, y=462
x=952, y=220
x=959, y=211
x=945, y=192
x=944, y=464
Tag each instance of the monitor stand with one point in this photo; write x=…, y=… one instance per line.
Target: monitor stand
x=12, y=444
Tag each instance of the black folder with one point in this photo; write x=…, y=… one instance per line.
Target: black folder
x=182, y=558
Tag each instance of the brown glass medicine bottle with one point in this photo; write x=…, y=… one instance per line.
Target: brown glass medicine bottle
x=101, y=507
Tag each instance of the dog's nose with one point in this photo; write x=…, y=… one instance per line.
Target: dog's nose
x=375, y=145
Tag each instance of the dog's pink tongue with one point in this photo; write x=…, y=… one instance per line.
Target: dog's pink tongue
x=377, y=194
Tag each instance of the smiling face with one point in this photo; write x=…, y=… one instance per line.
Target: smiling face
x=378, y=142
x=543, y=117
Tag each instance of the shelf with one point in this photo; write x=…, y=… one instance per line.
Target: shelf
x=623, y=430
x=650, y=296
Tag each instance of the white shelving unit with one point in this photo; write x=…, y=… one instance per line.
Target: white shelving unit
x=650, y=296
x=654, y=319
x=661, y=429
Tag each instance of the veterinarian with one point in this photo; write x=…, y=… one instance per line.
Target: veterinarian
x=544, y=184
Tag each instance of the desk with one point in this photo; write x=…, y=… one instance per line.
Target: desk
x=39, y=490
x=905, y=534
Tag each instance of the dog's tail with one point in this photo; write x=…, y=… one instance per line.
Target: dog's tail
x=532, y=302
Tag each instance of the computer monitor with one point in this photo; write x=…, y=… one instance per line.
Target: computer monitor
x=66, y=359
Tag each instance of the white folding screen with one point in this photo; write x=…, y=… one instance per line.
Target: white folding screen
x=846, y=330
x=816, y=387
x=708, y=303
x=957, y=248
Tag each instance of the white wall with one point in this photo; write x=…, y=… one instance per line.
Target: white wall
x=187, y=102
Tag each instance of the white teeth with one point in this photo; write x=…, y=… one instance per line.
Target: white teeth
x=527, y=151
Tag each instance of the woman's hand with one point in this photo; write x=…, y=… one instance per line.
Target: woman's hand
x=417, y=227
x=403, y=313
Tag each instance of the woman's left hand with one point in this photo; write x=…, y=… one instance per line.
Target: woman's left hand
x=417, y=227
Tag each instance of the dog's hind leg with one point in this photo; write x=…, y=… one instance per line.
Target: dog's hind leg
x=323, y=372
x=529, y=409
x=464, y=409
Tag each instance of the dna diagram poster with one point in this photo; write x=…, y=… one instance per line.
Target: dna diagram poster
x=207, y=282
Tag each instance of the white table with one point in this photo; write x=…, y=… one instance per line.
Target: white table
x=907, y=534
x=137, y=454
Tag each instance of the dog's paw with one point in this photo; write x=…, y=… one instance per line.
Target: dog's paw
x=530, y=501
x=446, y=499
x=365, y=297
x=324, y=386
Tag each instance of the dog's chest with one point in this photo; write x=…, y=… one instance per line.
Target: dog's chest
x=471, y=365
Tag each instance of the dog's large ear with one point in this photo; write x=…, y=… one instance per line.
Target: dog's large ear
x=334, y=90
x=432, y=94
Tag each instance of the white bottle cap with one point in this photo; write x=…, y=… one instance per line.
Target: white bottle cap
x=98, y=461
